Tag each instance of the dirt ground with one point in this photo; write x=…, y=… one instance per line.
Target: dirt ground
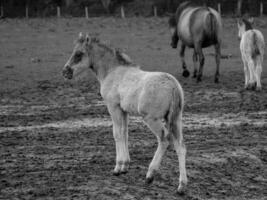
x=56, y=136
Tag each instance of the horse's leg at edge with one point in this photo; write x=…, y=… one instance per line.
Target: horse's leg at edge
x=201, y=60
x=195, y=63
x=217, y=59
x=186, y=73
x=246, y=72
x=120, y=134
x=179, y=146
x=252, y=75
x=259, y=60
x=158, y=128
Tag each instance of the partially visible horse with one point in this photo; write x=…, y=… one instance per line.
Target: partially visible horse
x=126, y=89
x=252, y=50
x=197, y=27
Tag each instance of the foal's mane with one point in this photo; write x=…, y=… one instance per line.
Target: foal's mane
x=121, y=57
x=248, y=25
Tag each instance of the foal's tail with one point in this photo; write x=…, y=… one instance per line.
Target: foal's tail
x=255, y=48
x=174, y=118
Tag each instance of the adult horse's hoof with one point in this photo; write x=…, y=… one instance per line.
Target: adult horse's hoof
x=216, y=80
x=198, y=79
x=186, y=73
x=149, y=180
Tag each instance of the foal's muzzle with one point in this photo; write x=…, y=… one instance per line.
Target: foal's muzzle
x=67, y=72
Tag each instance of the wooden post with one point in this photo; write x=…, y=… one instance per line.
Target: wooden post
x=155, y=11
x=122, y=12
x=261, y=9
x=219, y=8
x=86, y=13
x=27, y=11
x=58, y=12
x=2, y=11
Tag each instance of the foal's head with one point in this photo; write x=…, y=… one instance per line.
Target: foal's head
x=80, y=58
x=90, y=53
x=243, y=26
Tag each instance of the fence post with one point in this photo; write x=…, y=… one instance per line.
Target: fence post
x=219, y=8
x=58, y=12
x=261, y=9
x=86, y=13
x=122, y=12
x=155, y=11
x=2, y=11
x=27, y=11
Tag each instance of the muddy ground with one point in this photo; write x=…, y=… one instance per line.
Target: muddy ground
x=55, y=135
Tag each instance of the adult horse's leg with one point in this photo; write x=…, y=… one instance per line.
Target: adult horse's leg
x=195, y=63
x=186, y=73
x=120, y=134
x=158, y=128
x=217, y=59
x=201, y=57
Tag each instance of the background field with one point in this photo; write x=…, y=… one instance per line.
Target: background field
x=55, y=135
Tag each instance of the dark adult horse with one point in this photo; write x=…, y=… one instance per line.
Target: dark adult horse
x=197, y=27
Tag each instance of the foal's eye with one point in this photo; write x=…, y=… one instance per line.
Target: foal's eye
x=78, y=56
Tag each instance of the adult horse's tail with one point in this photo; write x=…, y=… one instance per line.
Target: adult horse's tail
x=255, y=47
x=212, y=26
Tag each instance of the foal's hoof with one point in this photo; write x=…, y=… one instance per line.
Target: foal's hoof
x=149, y=180
x=258, y=89
x=251, y=86
x=116, y=173
x=181, y=189
x=216, y=80
x=186, y=73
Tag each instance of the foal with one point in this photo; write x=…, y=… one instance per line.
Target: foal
x=252, y=50
x=126, y=89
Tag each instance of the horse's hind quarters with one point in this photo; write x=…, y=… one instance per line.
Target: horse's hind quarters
x=67, y=72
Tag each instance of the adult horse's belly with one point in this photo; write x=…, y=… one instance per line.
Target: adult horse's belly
x=184, y=27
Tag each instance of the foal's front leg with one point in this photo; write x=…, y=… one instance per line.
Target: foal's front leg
x=120, y=134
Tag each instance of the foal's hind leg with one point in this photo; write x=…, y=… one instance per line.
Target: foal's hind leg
x=258, y=71
x=120, y=134
x=186, y=73
x=158, y=128
x=179, y=146
x=217, y=59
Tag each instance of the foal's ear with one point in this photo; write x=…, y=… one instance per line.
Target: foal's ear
x=81, y=37
x=88, y=39
x=251, y=20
